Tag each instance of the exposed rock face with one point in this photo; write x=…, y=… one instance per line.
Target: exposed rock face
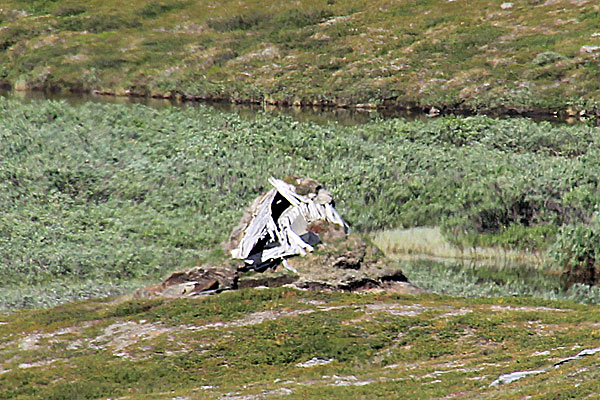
x=348, y=264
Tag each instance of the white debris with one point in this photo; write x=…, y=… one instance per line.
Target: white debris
x=315, y=361
x=515, y=376
x=582, y=353
x=350, y=380
x=589, y=49
x=508, y=378
x=36, y=364
x=278, y=220
x=541, y=353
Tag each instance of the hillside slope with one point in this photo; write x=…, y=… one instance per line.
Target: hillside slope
x=484, y=55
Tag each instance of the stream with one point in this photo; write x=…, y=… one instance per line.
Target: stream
x=342, y=116
x=319, y=115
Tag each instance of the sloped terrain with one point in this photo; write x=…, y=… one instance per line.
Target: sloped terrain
x=454, y=55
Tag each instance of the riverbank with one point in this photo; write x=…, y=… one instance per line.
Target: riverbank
x=491, y=57
x=321, y=114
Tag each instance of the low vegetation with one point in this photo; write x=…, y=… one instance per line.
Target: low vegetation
x=434, y=264
x=284, y=343
x=97, y=200
x=116, y=195
x=484, y=55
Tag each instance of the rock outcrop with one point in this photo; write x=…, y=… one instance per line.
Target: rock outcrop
x=203, y=279
x=333, y=260
x=348, y=263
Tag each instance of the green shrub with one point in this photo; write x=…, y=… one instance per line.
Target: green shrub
x=236, y=22
x=513, y=236
x=69, y=11
x=295, y=18
x=577, y=250
x=39, y=6
x=14, y=34
x=96, y=23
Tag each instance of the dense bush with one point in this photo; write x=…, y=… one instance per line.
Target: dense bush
x=548, y=57
x=96, y=23
x=119, y=193
x=236, y=22
x=154, y=9
x=577, y=250
x=69, y=11
x=295, y=18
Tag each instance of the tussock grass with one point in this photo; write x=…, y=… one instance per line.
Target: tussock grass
x=431, y=262
x=420, y=240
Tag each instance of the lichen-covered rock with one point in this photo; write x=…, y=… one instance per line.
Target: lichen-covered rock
x=347, y=264
x=343, y=263
x=335, y=260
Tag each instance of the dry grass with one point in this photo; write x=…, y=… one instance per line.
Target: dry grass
x=426, y=242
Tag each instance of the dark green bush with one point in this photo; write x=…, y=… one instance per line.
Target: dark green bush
x=513, y=236
x=13, y=35
x=38, y=6
x=69, y=11
x=548, y=57
x=96, y=23
x=577, y=250
x=294, y=18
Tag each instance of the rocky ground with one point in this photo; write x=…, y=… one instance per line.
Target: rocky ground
x=292, y=344
x=344, y=263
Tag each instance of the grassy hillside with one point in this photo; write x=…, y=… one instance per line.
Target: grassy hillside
x=461, y=54
x=282, y=343
x=96, y=199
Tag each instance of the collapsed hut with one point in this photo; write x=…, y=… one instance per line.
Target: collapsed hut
x=290, y=219
x=283, y=222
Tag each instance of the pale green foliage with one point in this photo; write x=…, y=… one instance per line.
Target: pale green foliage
x=115, y=193
x=548, y=57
